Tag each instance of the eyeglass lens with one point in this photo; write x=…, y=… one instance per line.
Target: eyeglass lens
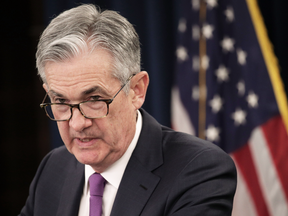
x=90, y=109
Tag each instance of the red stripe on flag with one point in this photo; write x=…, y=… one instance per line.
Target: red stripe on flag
x=277, y=140
x=245, y=165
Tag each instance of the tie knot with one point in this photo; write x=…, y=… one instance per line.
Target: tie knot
x=97, y=183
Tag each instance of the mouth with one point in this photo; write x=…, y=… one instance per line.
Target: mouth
x=85, y=140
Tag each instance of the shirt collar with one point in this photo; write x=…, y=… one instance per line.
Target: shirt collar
x=114, y=173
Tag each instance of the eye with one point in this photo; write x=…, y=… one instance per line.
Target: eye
x=60, y=100
x=94, y=97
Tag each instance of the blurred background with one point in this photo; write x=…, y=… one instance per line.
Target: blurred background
x=26, y=133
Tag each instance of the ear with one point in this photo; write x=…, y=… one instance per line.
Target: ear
x=45, y=87
x=139, y=85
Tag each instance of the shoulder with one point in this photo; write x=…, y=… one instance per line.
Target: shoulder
x=54, y=169
x=57, y=161
x=190, y=146
x=192, y=171
x=177, y=146
x=58, y=156
x=201, y=170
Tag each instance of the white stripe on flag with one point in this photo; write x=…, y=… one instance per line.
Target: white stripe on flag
x=180, y=117
x=243, y=203
x=269, y=183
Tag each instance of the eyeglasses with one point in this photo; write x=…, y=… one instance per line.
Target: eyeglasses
x=91, y=109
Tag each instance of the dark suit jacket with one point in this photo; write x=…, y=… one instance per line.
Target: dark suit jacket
x=169, y=173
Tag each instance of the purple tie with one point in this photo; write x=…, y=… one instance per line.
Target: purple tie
x=97, y=184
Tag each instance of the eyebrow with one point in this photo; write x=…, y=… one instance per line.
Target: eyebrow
x=55, y=93
x=95, y=89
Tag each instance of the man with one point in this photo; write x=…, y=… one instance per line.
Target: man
x=89, y=62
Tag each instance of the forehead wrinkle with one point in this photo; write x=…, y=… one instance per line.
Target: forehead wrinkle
x=95, y=89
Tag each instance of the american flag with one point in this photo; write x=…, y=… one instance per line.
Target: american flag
x=228, y=90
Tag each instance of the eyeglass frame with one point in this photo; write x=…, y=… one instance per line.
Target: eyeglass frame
x=107, y=101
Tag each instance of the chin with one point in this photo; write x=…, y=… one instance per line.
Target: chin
x=84, y=160
x=86, y=156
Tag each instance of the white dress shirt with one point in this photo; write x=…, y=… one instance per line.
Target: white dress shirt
x=112, y=175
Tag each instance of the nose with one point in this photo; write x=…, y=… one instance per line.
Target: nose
x=78, y=122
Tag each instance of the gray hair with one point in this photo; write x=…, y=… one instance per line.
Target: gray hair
x=85, y=28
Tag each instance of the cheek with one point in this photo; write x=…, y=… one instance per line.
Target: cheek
x=118, y=120
x=124, y=110
x=122, y=122
x=113, y=127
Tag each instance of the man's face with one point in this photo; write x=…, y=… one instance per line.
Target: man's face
x=96, y=142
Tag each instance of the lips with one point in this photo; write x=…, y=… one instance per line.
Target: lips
x=85, y=140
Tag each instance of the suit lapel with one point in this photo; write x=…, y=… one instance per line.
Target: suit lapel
x=135, y=189
x=72, y=190
x=138, y=182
